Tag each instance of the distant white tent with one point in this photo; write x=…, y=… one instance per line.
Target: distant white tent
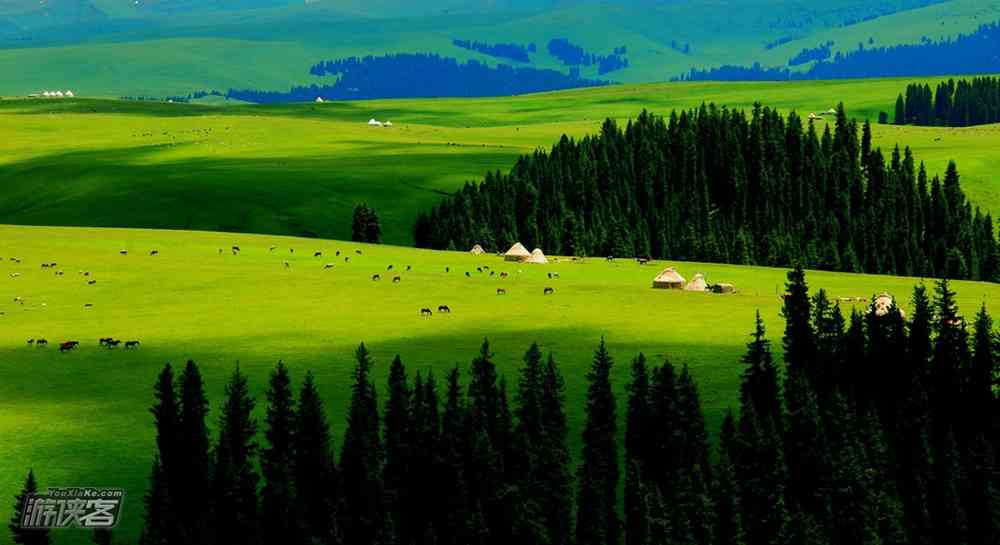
x=46, y=94
x=374, y=122
x=69, y=94
x=517, y=252
x=537, y=257
x=319, y=99
x=697, y=283
x=57, y=94
x=387, y=124
x=477, y=250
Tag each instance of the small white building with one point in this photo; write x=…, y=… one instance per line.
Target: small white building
x=320, y=100
x=374, y=123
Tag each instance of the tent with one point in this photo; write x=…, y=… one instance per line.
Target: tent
x=387, y=124
x=537, y=257
x=69, y=94
x=517, y=252
x=697, y=283
x=374, y=122
x=319, y=99
x=669, y=279
x=477, y=250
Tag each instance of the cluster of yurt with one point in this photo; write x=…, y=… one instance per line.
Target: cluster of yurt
x=520, y=254
x=670, y=279
x=376, y=123
x=57, y=94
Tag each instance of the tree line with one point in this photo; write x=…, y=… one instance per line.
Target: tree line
x=571, y=54
x=973, y=53
x=365, y=225
x=409, y=75
x=718, y=185
x=952, y=104
x=512, y=51
x=809, y=54
x=878, y=429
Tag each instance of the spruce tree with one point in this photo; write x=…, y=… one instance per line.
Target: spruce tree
x=557, y=478
x=19, y=534
x=166, y=475
x=454, y=523
x=235, y=480
x=361, y=458
x=638, y=414
x=759, y=388
x=195, y=457
x=799, y=340
x=316, y=479
x=399, y=437
x=725, y=489
x=279, y=498
x=597, y=505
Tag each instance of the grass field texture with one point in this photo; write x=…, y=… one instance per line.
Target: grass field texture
x=81, y=418
x=299, y=169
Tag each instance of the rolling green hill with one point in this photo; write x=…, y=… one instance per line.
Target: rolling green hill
x=117, y=48
x=81, y=417
x=300, y=169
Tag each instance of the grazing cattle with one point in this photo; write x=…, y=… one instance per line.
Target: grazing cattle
x=328, y=266
x=88, y=305
x=426, y=312
x=105, y=340
x=68, y=345
x=357, y=252
x=338, y=253
x=397, y=279
x=447, y=269
x=45, y=265
x=467, y=274
x=501, y=291
x=408, y=268
x=123, y=252
x=41, y=342
x=131, y=344
x=220, y=251
x=376, y=277
x=548, y=291
x=444, y=308
x=91, y=282
x=154, y=252
x=291, y=250
x=31, y=341
x=317, y=254
x=492, y=273
x=235, y=248
x=479, y=270
x=347, y=259
x=59, y=273
x=504, y=275
x=389, y=268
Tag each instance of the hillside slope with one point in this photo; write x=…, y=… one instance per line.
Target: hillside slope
x=300, y=169
x=162, y=48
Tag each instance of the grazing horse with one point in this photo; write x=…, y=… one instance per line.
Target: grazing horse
x=467, y=275
x=479, y=270
x=235, y=248
x=426, y=312
x=123, y=252
x=397, y=279
x=444, y=308
x=347, y=259
x=492, y=273
x=91, y=282
x=328, y=266
x=357, y=252
x=501, y=291
x=504, y=275
x=447, y=269
x=67, y=346
x=376, y=277
x=113, y=343
x=31, y=341
x=389, y=268
x=338, y=253
x=408, y=268
x=131, y=344
x=317, y=254
x=154, y=252
x=272, y=248
x=610, y=258
x=548, y=291
x=45, y=265
x=287, y=265
x=41, y=342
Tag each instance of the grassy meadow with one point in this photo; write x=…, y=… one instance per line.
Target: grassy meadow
x=81, y=417
x=299, y=169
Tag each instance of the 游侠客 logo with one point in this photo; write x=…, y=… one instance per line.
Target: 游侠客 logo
x=76, y=507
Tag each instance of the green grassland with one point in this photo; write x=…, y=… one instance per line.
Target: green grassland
x=299, y=169
x=81, y=418
x=139, y=51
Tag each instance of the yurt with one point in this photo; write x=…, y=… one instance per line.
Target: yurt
x=669, y=279
x=387, y=124
x=697, y=283
x=537, y=257
x=374, y=122
x=319, y=99
x=517, y=252
x=69, y=94
x=477, y=250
